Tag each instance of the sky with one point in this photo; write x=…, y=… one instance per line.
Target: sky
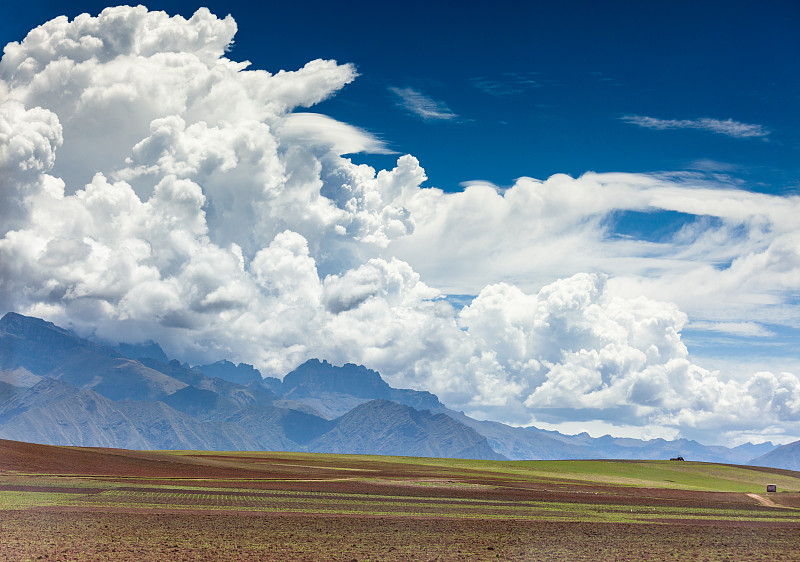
x=576, y=215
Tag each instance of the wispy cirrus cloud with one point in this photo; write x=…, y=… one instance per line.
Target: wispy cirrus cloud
x=744, y=329
x=341, y=138
x=709, y=165
x=604, y=78
x=423, y=105
x=729, y=127
x=507, y=84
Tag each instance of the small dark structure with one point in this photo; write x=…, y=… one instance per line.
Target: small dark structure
x=676, y=459
x=772, y=488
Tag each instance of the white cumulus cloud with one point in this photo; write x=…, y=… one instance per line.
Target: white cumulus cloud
x=151, y=188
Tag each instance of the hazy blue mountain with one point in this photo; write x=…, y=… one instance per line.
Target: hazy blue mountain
x=116, y=378
x=164, y=427
x=280, y=429
x=241, y=373
x=56, y=413
x=44, y=349
x=39, y=346
x=320, y=376
x=654, y=449
x=146, y=350
x=270, y=383
x=334, y=391
x=387, y=428
x=19, y=377
x=58, y=388
x=82, y=393
x=531, y=443
x=786, y=456
x=518, y=443
x=241, y=394
x=201, y=404
x=749, y=450
x=9, y=391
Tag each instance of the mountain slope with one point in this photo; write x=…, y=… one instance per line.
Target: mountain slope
x=279, y=429
x=9, y=391
x=56, y=413
x=39, y=346
x=19, y=377
x=201, y=404
x=334, y=391
x=785, y=456
x=166, y=428
x=242, y=395
x=241, y=373
x=44, y=349
x=147, y=350
x=381, y=427
x=518, y=443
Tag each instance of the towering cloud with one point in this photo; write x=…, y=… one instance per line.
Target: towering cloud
x=151, y=188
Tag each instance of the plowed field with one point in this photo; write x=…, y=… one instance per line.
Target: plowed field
x=65, y=503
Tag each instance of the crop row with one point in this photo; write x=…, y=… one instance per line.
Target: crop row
x=422, y=507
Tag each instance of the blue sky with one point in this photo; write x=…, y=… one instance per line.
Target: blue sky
x=677, y=123
x=537, y=88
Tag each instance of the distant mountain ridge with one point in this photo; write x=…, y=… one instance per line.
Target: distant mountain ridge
x=241, y=373
x=357, y=432
x=334, y=391
x=62, y=389
x=785, y=456
x=57, y=388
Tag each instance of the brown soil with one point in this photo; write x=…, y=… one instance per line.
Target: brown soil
x=195, y=532
x=48, y=535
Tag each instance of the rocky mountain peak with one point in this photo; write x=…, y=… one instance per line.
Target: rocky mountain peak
x=320, y=376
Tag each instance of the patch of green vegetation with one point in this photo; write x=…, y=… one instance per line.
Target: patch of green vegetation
x=651, y=474
x=549, y=512
x=643, y=474
x=283, y=501
x=660, y=474
x=27, y=500
x=655, y=474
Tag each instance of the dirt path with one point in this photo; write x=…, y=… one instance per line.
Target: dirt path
x=764, y=501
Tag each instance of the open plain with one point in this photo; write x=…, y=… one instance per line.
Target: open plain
x=67, y=503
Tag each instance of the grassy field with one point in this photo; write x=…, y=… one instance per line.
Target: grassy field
x=112, y=504
x=653, y=474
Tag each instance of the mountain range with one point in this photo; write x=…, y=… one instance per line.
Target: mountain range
x=60, y=389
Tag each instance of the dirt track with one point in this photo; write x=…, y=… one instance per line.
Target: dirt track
x=764, y=501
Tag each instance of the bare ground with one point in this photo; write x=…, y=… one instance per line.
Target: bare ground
x=53, y=535
x=381, y=530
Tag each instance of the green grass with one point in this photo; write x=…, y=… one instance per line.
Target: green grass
x=27, y=500
x=281, y=501
x=652, y=474
x=661, y=474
